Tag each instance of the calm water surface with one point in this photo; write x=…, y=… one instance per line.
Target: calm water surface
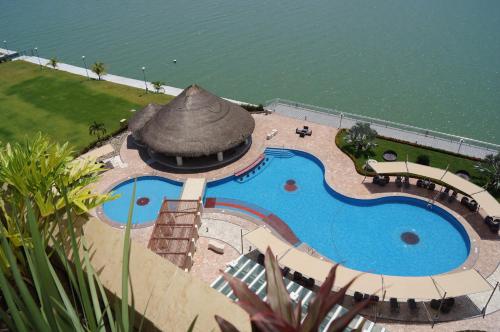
x=434, y=64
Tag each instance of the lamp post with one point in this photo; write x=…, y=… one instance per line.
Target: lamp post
x=85, y=64
x=38, y=57
x=460, y=145
x=144, y=74
x=341, y=117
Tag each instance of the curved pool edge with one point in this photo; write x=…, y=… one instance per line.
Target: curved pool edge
x=109, y=188
x=458, y=222
x=474, y=239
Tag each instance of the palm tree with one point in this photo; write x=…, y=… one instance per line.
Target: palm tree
x=280, y=313
x=490, y=167
x=99, y=69
x=157, y=85
x=361, y=136
x=53, y=62
x=97, y=129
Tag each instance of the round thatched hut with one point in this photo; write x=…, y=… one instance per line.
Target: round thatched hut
x=196, y=130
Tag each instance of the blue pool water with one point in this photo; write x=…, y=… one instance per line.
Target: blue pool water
x=151, y=189
x=365, y=235
x=362, y=234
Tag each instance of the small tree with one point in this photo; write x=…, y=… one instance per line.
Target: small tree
x=423, y=159
x=490, y=167
x=158, y=85
x=53, y=62
x=99, y=69
x=97, y=129
x=361, y=136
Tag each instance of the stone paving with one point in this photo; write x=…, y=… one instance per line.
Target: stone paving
x=340, y=174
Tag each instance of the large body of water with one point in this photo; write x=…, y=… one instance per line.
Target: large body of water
x=433, y=64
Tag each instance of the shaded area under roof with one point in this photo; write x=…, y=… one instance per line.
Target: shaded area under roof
x=193, y=124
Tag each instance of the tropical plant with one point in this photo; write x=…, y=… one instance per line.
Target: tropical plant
x=99, y=69
x=361, y=136
x=97, y=129
x=490, y=167
x=53, y=62
x=35, y=173
x=56, y=293
x=423, y=159
x=280, y=313
x=158, y=85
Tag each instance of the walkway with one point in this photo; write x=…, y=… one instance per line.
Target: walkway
x=334, y=118
x=139, y=84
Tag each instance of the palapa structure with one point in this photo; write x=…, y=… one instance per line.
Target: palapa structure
x=196, y=130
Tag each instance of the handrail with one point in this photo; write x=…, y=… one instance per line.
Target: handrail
x=386, y=123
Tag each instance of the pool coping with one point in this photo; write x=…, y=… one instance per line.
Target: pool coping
x=474, y=239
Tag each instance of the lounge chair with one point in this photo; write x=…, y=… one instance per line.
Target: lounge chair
x=431, y=186
x=394, y=305
x=310, y=283
x=464, y=200
x=412, y=305
x=420, y=183
x=473, y=206
x=358, y=297
x=435, y=304
x=297, y=276
x=285, y=271
x=376, y=179
x=406, y=181
x=493, y=225
x=374, y=298
x=260, y=259
x=447, y=305
x=452, y=197
x=399, y=181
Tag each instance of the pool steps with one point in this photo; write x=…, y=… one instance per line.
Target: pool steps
x=254, y=169
x=279, y=153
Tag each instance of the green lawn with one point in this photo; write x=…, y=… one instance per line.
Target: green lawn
x=437, y=158
x=62, y=105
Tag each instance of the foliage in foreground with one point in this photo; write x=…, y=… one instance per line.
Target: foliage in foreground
x=280, y=313
x=59, y=294
x=361, y=136
x=490, y=167
x=35, y=174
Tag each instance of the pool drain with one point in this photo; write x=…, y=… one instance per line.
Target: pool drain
x=290, y=185
x=142, y=201
x=410, y=238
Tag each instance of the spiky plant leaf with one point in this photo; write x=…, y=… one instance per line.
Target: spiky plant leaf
x=277, y=295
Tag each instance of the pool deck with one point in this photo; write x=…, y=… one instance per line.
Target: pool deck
x=341, y=175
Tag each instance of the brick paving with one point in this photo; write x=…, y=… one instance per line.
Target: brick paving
x=340, y=174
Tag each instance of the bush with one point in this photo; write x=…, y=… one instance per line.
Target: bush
x=253, y=109
x=423, y=159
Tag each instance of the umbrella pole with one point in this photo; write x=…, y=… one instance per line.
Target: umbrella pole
x=488, y=302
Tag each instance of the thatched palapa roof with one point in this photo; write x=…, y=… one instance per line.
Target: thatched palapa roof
x=193, y=124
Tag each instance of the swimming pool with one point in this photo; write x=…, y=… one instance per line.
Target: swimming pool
x=150, y=191
x=393, y=235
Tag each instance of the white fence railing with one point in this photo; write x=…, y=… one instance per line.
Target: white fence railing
x=334, y=118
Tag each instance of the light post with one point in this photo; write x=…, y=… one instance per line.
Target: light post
x=38, y=57
x=460, y=145
x=144, y=74
x=85, y=64
x=341, y=117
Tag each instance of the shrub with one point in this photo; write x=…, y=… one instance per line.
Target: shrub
x=254, y=109
x=423, y=159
